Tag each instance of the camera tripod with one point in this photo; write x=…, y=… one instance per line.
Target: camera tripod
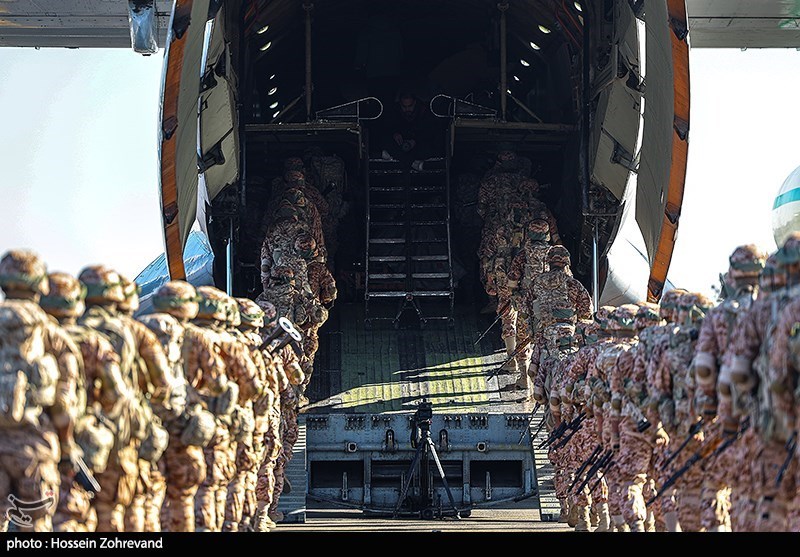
x=425, y=449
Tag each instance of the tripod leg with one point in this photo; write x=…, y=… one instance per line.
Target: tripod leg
x=441, y=474
x=409, y=477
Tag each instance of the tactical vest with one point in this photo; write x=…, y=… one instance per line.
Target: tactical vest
x=28, y=374
x=535, y=262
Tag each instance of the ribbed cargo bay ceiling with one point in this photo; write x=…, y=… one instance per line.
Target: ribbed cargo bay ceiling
x=438, y=40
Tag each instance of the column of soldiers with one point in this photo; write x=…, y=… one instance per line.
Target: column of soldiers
x=295, y=274
x=171, y=422
x=681, y=416
x=523, y=267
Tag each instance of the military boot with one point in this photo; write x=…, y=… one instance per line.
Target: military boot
x=263, y=522
x=511, y=365
x=562, y=517
x=583, y=519
x=636, y=526
x=671, y=518
x=595, y=516
x=572, y=515
x=604, y=518
x=619, y=524
x=650, y=522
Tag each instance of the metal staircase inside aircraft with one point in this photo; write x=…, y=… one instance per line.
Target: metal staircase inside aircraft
x=408, y=263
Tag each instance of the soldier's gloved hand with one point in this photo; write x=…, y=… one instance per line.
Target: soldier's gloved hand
x=538, y=394
x=730, y=426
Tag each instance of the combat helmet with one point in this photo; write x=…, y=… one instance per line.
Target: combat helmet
x=539, y=230
x=788, y=256
x=603, y=316
x=252, y=316
x=669, y=304
x=305, y=246
x=647, y=316
x=746, y=262
x=212, y=304
x=293, y=163
x=65, y=299
x=22, y=270
x=178, y=298
x=561, y=336
x=623, y=318
x=558, y=256
x=103, y=285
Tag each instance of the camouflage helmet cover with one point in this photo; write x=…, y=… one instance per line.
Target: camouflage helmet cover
x=648, y=315
x=212, y=303
x=293, y=163
x=251, y=315
x=558, y=256
x=102, y=284
x=623, y=318
x=178, y=298
x=539, y=226
x=746, y=261
x=23, y=270
x=66, y=295
x=602, y=316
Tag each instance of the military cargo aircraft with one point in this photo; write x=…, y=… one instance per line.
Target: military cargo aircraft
x=595, y=93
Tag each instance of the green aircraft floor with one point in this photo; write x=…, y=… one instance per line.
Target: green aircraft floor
x=380, y=369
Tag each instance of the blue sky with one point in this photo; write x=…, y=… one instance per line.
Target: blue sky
x=79, y=178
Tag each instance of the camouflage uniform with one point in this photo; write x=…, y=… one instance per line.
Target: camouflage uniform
x=713, y=352
x=107, y=393
x=244, y=452
x=776, y=404
x=528, y=264
x=237, y=383
x=327, y=174
x=677, y=410
x=119, y=481
x=39, y=400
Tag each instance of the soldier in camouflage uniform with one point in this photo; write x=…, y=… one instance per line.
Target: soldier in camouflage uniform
x=774, y=381
x=744, y=350
x=529, y=263
x=144, y=368
x=675, y=373
x=554, y=358
x=143, y=515
x=105, y=397
x=195, y=364
x=237, y=381
x=713, y=353
x=38, y=398
x=265, y=483
x=628, y=392
x=243, y=450
x=614, y=362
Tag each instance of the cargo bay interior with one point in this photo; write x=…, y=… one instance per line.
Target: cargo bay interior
x=410, y=304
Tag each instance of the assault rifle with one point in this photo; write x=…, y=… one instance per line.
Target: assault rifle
x=527, y=427
x=710, y=450
x=693, y=430
x=559, y=431
x=285, y=333
x=520, y=348
x=499, y=316
x=791, y=444
x=588, y=462
x=599, y=464
x=578, y=423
